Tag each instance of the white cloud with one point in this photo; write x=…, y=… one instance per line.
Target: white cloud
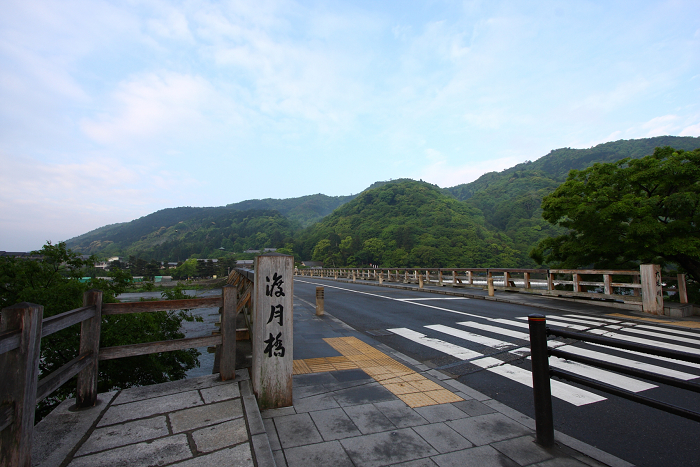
x=446, y=173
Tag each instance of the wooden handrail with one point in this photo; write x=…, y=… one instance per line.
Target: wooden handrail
x=69, y=318
x=57, y=378
x=160, y=305
x=110, y=353
x=9, y=340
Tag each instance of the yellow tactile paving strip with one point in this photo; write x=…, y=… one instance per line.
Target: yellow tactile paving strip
x=414, y=389
x=685, y=324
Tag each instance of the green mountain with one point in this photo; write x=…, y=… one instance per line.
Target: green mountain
x=406, y=223
x=494, y=220
x=510, y=200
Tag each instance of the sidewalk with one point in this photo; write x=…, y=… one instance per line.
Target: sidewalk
x=358, y=402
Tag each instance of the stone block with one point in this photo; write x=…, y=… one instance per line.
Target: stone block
x=220, y=392
x=440, y=413
x=164, y=389
x=219, y=436
x=60, y=431
x=486, y=429
x=297, y=430
x=330, y=453
x=126, y=433
x=272, y=413
x=365, y=394
x=240, y=456
x=522, y=450
x=319, y=402
x=368, y=419
x=263, y=453
x=400, y=414
x=442, y=437
x=210, y=414
x=386, y=448
x=483, y=456
x=272, y=434
x=473, y=407
x=159, y=452
x=334, y=424
x=148, y=407
x=252, y=413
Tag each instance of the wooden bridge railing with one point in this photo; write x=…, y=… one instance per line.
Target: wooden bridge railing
x=22, y=326
x=627, y=286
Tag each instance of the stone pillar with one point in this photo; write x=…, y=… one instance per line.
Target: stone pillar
x=273, y=330
x=652, y=293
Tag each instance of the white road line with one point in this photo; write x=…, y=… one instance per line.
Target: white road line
x=653, y=357
x=563, y=391
x=496, y=330
x=674, y=331
x=471, y=337
x=621, y=381
x=695, y=341
x=554, y=322
x=431, y=298
x=627, y=362
x=641, y=340
x=593, y=318
x=605, y=376
x=394, y=299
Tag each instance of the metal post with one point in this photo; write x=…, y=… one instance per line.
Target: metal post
x=319, y=301
x=542, y=391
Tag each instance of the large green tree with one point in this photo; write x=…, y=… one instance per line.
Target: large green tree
x=53, y=281
x=622, y=213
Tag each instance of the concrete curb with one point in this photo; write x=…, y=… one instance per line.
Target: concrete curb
x=258, y=436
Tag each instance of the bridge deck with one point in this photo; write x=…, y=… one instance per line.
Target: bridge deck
x=196, y=422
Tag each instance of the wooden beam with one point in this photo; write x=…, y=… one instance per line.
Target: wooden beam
x=58, y=378
x=9, y=341
x=69, y=318
x=7, y=412
x=90, y=329
x=20, y=371
x=110, y=353
x=160, y=305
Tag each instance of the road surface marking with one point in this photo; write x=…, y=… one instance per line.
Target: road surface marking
x=560, y=390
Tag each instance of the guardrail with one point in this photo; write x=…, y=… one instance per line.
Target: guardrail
x=542, y=372
x=625, y=286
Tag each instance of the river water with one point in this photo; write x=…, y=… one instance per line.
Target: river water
x=194, y=329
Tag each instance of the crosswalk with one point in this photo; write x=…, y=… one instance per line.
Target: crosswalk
x=484, y=343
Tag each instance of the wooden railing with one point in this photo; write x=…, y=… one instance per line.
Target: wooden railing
x=617, y=285
x=22, y=329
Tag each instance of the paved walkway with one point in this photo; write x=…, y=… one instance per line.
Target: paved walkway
x=357, y=402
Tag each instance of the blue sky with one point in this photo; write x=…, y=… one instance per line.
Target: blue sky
x=113, y=110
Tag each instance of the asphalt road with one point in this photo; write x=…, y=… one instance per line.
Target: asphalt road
x=480, y=344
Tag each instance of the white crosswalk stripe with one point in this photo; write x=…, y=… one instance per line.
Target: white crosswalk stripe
x=560, y=390
x=511, y=329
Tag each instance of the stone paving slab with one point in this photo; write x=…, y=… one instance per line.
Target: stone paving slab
x=147, y=407
x=210, y=414
x=126, y=433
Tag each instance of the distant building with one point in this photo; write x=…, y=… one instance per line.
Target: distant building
x=264, y=250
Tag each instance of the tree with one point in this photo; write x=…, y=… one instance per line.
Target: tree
x=53, y=281
x=622, y=213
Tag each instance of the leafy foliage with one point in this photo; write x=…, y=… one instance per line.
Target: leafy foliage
x=622, y=213
x=53, y=282
x=406, y=223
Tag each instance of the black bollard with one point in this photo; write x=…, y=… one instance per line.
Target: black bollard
x=541, y=388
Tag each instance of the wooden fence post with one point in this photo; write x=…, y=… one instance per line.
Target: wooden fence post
x=682, y=289
x=550, y=281
x=526, y=279
x=652, y=292
x=273, y=330
x=420, y=281
x=607, y=281
x=90, y=329
x=489, y=283
x=20, y=373
x=320, y=300
x=227, y=351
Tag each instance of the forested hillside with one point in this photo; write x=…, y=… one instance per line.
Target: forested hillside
x=406, y=223
x=494, y=220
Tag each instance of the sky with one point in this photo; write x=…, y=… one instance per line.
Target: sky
x=112, y=110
